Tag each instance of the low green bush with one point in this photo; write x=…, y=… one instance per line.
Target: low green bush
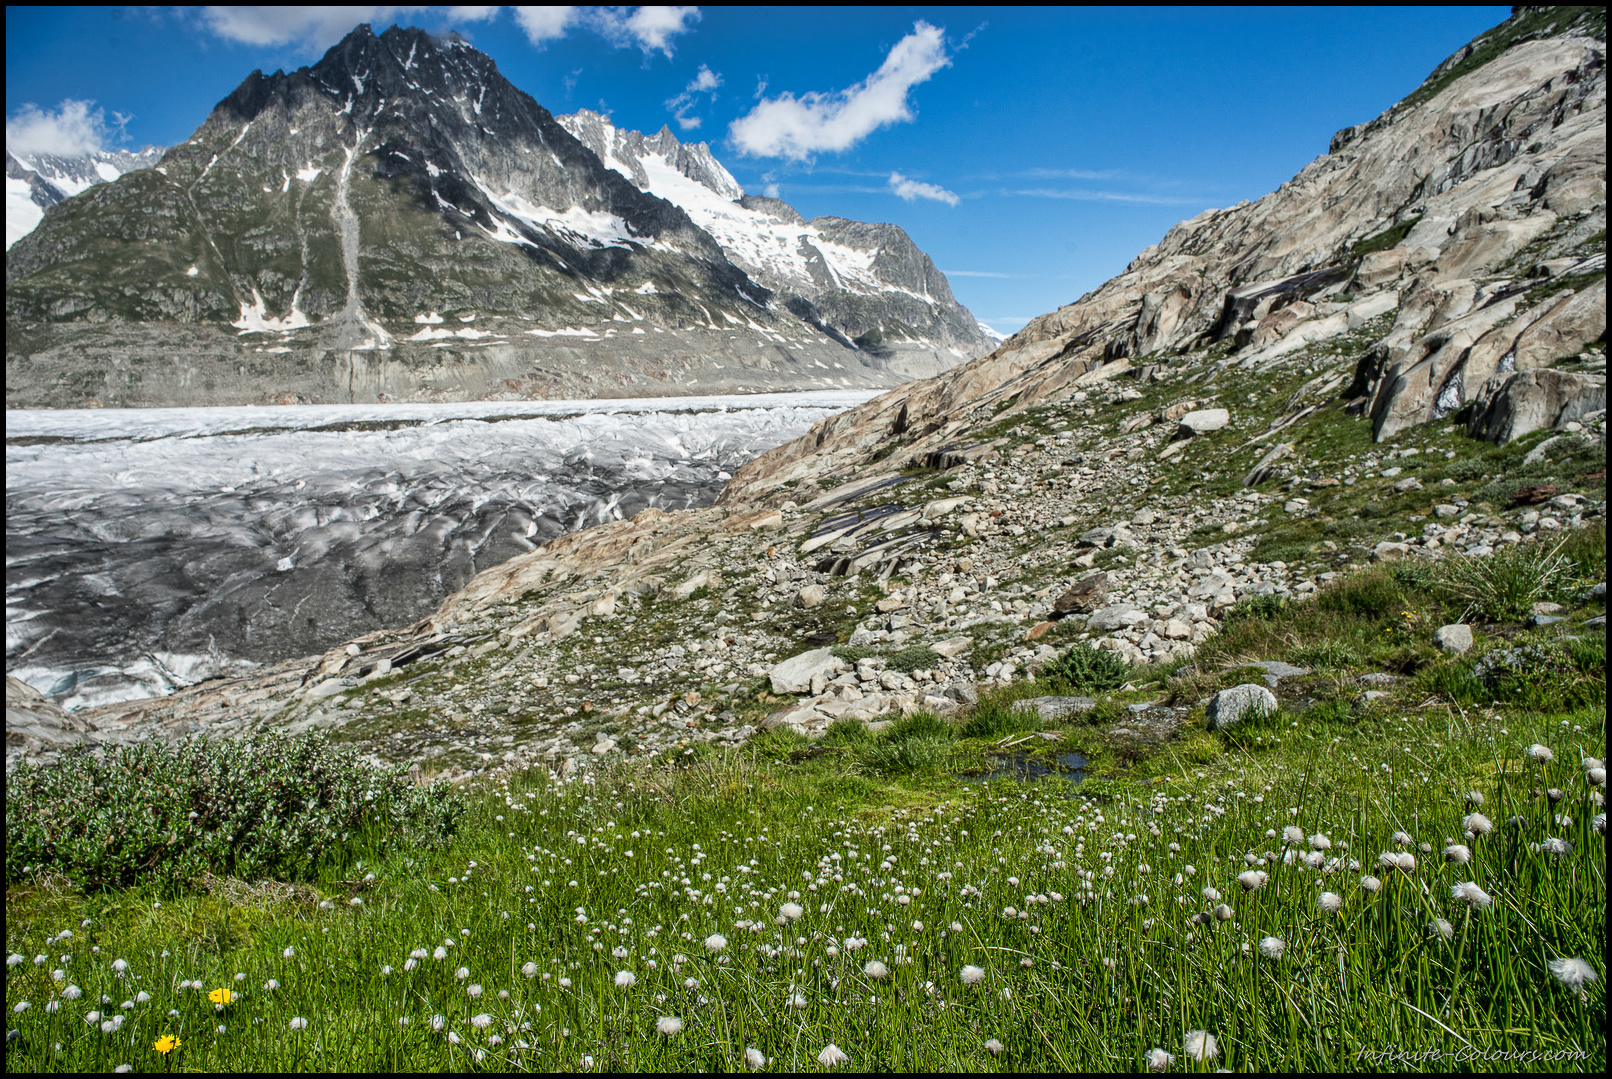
x=914, y=657
x=1083, y=669
x=274, y=807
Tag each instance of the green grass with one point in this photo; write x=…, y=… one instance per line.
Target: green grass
x=1083, y=908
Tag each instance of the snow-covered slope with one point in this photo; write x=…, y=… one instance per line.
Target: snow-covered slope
x=819, y=261
x=35, y=181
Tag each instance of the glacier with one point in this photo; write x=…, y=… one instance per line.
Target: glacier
x=148, y=549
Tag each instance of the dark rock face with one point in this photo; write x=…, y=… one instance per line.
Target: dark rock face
x=1512, y=405
x=401, y=202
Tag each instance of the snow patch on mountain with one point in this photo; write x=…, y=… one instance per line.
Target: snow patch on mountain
x=37, y=181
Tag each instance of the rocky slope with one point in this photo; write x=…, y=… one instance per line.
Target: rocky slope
x=36, y=182
x=1446, y=211
x=397, y=222
x=1236, y=416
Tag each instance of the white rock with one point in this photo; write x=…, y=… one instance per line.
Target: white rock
x=1239, y=702
x=1204, y=420
x=794, y=675
x=1455, y=638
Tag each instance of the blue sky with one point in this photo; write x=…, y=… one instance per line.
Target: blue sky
x=1031, y=152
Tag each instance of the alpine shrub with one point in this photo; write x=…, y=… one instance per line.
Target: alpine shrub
x=1082, y=667
x=272, y=807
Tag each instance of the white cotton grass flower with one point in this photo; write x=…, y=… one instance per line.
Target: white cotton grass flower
x=669, y=1026
x=1224, y=913
x=791, y=911
x=1477, y=824
x=73, y=992
x=462, y=973
x=993, y=1046
x=972, y=975
x=625, y=979
x=1540, y=754
x=1595, y=777
x=439, y=1023
x=1253, y=879
x=1158, y=1060
x=1402, y=839
x=1330, y=902
x=1272, y=947
x=120, y=966
x=298, y=1023
x=1458, y=854
x=1442, y=927
x=1370, y=883
x=529, y=969
x=875, y=969
x=619, y=952
x=1201, y=1046
x=1293, y=835
x=1320, y=841
x=440, y=953
x=1556, y=847
x=715, y=942
x=473, y=990
x=1599, y=823
x=755, y=1059
x=1473, y=896
x=482, y=1021
x=832, y=1055
x=1572, y=972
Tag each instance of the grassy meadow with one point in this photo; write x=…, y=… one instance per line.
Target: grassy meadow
x=1411, y=881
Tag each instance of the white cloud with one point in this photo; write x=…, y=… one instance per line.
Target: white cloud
x=542, y=24
x=650, y=28
x=914, y=189
x=73, y=127
x=705, y=82
x=772, y=192
x=787, y=126
x=314, y=27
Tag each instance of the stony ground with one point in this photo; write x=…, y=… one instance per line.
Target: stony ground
x=1133, y=513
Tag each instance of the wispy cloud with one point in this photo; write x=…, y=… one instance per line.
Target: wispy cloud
x=1100, y=196
x=796, y=128
x=915, y=189
x=983, y=273
x=73, y=127
x=706, y=82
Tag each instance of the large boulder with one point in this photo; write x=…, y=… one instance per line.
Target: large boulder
x=794, y=675
x=1203, y=421
x=1512, y=405
x=1118, y=616
x=1238, y=703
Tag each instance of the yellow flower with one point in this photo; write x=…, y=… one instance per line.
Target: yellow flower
x=221, y=996
x=166, y=1044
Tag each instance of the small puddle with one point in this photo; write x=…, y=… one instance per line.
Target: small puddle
x=1024, y=768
